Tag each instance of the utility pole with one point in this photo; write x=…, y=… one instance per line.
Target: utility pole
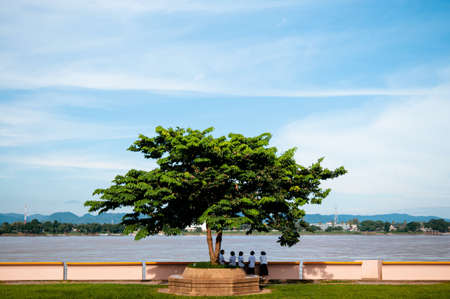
x=335, y=216
x=25, y=214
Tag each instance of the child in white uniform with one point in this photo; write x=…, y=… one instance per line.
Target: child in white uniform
x=263, y=270
x=232, y=259
x=251, y=263
x=241, y=260
x=221, y=257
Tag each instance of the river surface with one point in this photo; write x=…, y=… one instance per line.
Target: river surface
x=194, y=248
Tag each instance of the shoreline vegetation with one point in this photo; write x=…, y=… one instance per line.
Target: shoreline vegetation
x=367, y=227
x=229, y=233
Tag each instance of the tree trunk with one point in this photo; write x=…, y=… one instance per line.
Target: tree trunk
x=212, y=257
x=213, y=252
x=218, y=245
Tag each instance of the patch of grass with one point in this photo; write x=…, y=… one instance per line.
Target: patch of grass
x=69, y=290
x=78, y=290
x=206, y=265
x=361, y=291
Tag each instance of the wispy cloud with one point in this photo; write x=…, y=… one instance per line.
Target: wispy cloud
x=98, y=80
x=27, y=122
x=112, y=81
x=334, y=93
x=142, y=6
x=81, y=160
x=234, y=68
x=63, y=162
x=42, y=50
x=396, y=154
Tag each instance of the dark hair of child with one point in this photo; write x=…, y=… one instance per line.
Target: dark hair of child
x=241, y=253
x=263, y=253
x=222, y=251
x=232, y=253
x=252, y=252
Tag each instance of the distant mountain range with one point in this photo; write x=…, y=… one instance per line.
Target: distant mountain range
x=115, y=218
x=65, y=217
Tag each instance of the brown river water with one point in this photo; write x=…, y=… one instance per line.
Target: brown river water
x=194, y=248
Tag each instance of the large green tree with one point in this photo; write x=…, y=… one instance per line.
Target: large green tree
x=438, y=224
x=223, y=181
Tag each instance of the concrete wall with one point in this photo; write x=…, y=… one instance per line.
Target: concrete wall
x=376, y=270
x=31, y=271
x=416, y=271
x=357, y=270
x=371, y=270
x=332, y=270
x=277, y=270
x=104, y=271
x=282, y=270
x=162, y=270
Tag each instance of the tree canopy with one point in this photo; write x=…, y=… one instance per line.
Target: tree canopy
x=439, y=225
x=223, y=181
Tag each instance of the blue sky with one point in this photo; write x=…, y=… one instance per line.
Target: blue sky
x=364, y=83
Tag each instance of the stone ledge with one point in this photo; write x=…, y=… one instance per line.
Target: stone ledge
x=213, y=282
x=264, y=291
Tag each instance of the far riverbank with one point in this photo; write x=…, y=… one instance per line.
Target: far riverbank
x=233, y=233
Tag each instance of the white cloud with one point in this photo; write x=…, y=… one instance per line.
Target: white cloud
x=321, y=93
x=118, y=81
x=35, y=121
x=66, y=161
x=397, y=156
x=98, y=80
x=80, y=159
x=236, y=67
x=145, y=6
x=42, y=49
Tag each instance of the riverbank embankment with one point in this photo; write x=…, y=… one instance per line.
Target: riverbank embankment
x=362, y=270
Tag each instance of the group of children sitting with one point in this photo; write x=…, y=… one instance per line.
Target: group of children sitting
x=250, y=265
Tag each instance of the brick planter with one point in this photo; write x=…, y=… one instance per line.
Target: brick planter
x=213, y=282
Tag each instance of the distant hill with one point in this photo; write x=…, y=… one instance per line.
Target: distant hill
x=66, y=217
x=115, y=218
x=316, y=218
x=10, y=217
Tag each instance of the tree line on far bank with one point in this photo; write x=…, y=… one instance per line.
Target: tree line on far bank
x=439, y=225
x=55, y=227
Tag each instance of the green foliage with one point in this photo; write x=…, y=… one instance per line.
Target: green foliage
x=313, y=228
x=36, y=227
x=438, y=224
x=206, y=265
x=372, y=226
x=5, y=228
x=227, y=182
x=435, y=224
x=413, y=226
x=334, y=229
